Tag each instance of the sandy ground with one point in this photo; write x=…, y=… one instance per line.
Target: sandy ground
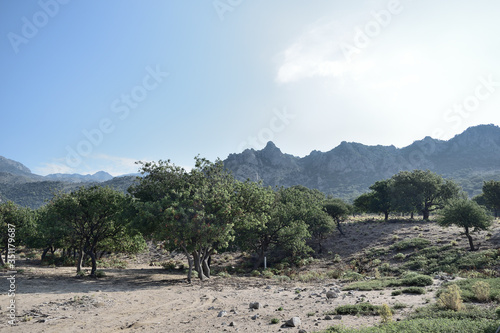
x=151, y=299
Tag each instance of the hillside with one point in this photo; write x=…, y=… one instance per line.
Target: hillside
x=350, y=168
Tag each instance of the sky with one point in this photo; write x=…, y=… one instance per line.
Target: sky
x=98, y=85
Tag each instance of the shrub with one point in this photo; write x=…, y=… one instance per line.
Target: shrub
x=451, y=299
x=418, y=243
x=224, y=274
x=267, y=274
x=100, y=274
x=360, y=308
x=414, y=290
x=352, y=276
x=400, y=257
x=275, y=321
x=255, y=273
x=481, y=291
x=385, y=314
x=396, y=292
x=417, y=280
x=169, y=265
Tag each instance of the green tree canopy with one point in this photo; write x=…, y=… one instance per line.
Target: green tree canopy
x=466, y=214
x=21, y=223
x=194, y=211
x=93, y=217
x=422, y=191
x=491, y=193
x=378, y=200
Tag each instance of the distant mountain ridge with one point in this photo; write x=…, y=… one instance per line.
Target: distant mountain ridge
x=350, y=168
x=346, y=171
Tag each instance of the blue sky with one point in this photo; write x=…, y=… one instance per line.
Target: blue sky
x=97, y=85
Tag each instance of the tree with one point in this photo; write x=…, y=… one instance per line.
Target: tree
x=93, y=217
x=491, y=193
x=194, y=211
x=18, y=227
x=338, y=210
x=274, y=221
x=379, y=200
x=466, y=214
x=422, y=191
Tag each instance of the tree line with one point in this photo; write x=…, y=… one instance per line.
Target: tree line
x=205, y=210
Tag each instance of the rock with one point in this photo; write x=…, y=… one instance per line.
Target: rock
x=255, y=305
x=331, y=294
x=293, y=322
x=327, y=317
x=232, y=324
x=222, y=314
x=255, y=317
x=337, y=317
x=302, y=331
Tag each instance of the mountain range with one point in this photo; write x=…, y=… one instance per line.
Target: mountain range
x=346, y=171
x=350, y=168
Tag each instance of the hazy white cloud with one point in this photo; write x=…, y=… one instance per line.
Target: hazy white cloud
x=315, y=53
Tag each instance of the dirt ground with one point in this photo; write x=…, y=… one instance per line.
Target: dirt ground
x=151, y=299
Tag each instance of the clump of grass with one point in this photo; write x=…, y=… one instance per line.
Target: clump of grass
x=275, y=321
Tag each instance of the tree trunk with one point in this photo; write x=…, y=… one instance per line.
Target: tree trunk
x=197, y=265
x=471, y=244
x=260, y=260
x=190, y=264
x=205, y=261
x=94, y=263
x=44, y=253
x=339, y=228
x=386, y=217
x=79, y=262
x=411, y=216
x=2, y=262
x=425, y=213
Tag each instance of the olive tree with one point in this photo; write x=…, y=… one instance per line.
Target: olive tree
x=93, y=217
x=192, y=211
x=422, y=191
x=491, y=194
x=466, y=214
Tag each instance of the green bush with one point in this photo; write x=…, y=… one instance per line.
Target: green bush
x=436, y=325
x=360, y=308
x=414, y=290
x=416, y=243
x=417, y=280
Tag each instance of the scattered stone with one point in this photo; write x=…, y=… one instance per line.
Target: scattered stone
x=268, y=287
x=337, y=317
x=302, y=331
x=222, y=314
x=293, y=322
x=331, y=294
x=255, y=305
x=211, y=308
x=232, y=324
x=327, y=317
x=255, y=317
